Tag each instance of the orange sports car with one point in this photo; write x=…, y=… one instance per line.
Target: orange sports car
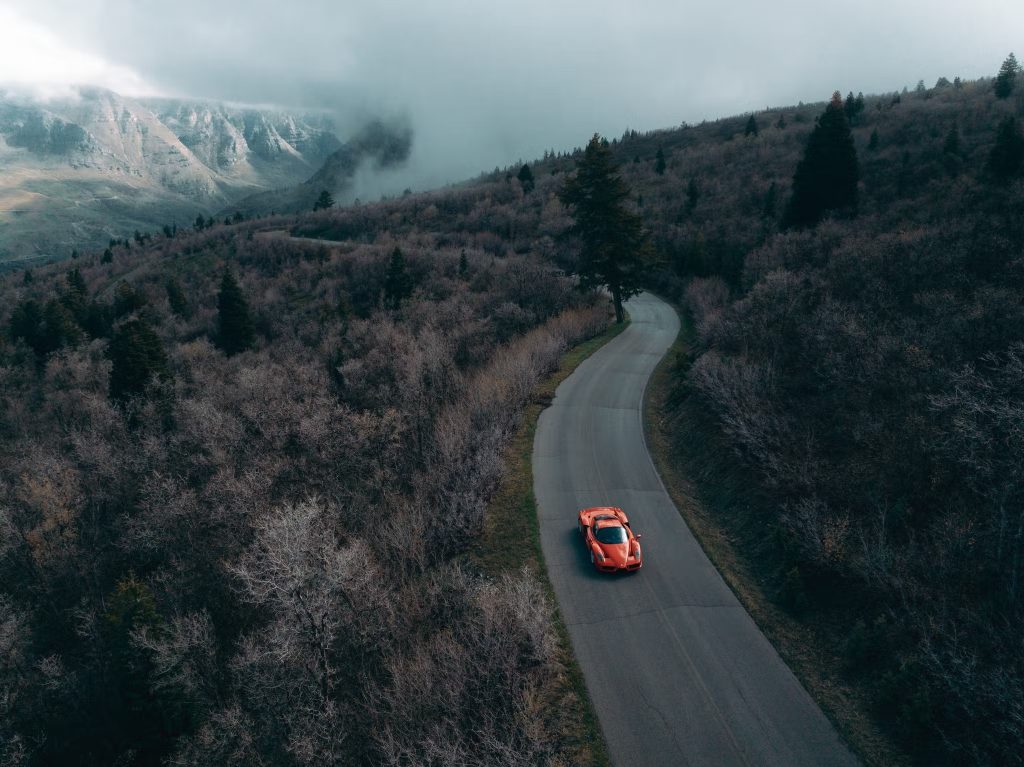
x=610, y=541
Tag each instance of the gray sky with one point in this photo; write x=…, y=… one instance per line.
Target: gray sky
x=486, y=82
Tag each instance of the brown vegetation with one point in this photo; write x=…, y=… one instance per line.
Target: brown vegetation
x=250, y=558
x=868, y=373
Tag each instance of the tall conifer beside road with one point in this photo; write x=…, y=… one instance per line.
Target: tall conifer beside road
x=611, y=236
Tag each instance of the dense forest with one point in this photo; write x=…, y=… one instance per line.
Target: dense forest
x=869, y=371
x=239, y=476
x=239, y=471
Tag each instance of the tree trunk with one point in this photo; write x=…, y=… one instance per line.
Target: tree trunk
x=617, y=300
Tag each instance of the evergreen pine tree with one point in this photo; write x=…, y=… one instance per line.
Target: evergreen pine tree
x=951, y=151
x=1007, y=158
x=692, y=195
x=526, y=179
x=324, y=201
x=44, y=329
x=826, y=177
x=659, y=162
x=1007, y=77
x=952, y=143
x=26, y=323
x=130, y=609
x=751, y=129
x=200, y=223
x=77, y=294
x=176, y=298
x=99, y=320
x=611, y=236
x=463, y=265
x=108, y=256
x=873, y=141
x=397, y=282
x=76, y=283
x=770, y=201
x=137, y=355
x=59, y=328
x=234, y=325
x=853, y=106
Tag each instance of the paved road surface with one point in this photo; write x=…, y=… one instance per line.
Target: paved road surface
x=679, y=673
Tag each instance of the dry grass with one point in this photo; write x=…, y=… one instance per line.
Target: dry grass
x=714, y=510
x=514, y=507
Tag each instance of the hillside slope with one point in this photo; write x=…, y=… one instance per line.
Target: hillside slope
x=853, y=399
x=151, y=484
x=856, y=384
x=864, y=375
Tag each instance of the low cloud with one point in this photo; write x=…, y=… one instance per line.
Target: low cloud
x=486, y=84
x=360, y=168
x=36, y=63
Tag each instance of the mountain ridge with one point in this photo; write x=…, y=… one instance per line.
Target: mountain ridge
x=123, y=163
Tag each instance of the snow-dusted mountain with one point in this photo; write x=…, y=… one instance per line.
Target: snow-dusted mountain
x=78, y=170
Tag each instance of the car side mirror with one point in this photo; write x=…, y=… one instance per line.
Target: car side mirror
x=639, y=536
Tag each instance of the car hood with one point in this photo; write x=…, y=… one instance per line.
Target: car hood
x=615, y=553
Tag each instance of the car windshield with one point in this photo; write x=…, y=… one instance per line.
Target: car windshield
x=611, y=534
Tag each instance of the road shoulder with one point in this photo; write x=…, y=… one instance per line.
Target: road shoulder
x=514, y=507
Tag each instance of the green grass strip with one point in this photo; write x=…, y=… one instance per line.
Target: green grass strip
x=514, y=507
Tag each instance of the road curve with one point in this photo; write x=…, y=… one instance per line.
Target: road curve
x=678, y=672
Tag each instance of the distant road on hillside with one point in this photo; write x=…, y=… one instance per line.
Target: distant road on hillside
x=678, y=671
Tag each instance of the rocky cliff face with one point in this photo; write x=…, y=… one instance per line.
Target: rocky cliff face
x=93, y=165
x=228, y=139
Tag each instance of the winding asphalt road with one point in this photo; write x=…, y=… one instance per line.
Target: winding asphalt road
x=678, y=672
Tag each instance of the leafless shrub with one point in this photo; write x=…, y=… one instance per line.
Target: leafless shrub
x=824, y=536
x=706, y=298
x=184, y=658
x=13, y=678
x=490, y=670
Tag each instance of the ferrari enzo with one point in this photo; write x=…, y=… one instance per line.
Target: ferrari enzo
x=609, y=539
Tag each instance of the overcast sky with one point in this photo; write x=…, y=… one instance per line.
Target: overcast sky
x=485, y=82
